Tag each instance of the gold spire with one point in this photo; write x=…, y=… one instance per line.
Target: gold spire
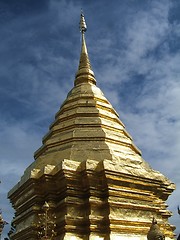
x=84, y=73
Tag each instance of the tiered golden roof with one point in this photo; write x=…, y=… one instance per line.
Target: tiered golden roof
x=90, y=169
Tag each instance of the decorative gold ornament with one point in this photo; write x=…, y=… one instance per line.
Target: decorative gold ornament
x=47, y=223
x=2, y=223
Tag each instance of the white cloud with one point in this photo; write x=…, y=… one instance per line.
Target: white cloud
x=146, y=32
x=65, y=11
x=153, y=119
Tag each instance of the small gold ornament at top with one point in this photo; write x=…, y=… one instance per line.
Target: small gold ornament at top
x=82, y=24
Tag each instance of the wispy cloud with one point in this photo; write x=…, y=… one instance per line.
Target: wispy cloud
x=148, y=63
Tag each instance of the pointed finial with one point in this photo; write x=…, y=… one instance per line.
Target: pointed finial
x=84, y=73
x=82, y=24
x=45, y=206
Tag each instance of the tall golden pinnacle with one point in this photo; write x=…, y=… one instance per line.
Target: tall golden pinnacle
x=90, y=172
x=84, y=73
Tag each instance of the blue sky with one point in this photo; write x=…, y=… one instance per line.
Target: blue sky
x=134, y=48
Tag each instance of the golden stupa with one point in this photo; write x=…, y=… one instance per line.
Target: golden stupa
x=90, y=172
